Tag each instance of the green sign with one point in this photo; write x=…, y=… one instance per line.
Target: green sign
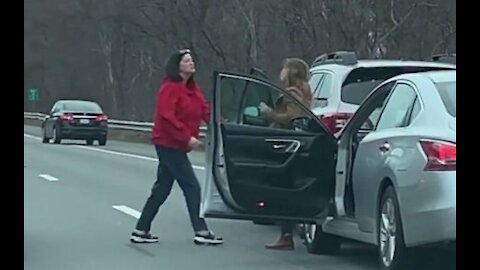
x=33, y=94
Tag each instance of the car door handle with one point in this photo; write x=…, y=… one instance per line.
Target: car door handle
x=293, y=145
x=384, y=147
x=279, y=146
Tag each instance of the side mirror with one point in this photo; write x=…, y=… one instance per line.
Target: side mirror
x=251, y=111
x=252, y=116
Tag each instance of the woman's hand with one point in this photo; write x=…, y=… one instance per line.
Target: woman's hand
x=194, y=143
x=264, y=109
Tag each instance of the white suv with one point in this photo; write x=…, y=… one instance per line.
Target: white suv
x=340, y=82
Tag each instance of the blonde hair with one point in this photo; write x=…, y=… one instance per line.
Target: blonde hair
x=298, y=74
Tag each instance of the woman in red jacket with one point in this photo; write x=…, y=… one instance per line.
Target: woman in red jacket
x=180, y=108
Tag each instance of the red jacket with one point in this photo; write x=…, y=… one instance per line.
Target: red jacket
x=179, y=111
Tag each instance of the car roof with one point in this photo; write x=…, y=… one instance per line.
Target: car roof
x=434, y=76
x=367, y=63
x=442, y=76
x=76, y=101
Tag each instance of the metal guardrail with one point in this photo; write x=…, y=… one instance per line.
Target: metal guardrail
x=114, y=124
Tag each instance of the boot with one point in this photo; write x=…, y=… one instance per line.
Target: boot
x=285, y=242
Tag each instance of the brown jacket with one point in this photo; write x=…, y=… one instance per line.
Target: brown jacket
x=285, y=109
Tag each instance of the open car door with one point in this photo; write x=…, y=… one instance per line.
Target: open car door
x=256, y=170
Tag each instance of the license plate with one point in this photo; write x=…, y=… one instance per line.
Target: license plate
x=84, y=121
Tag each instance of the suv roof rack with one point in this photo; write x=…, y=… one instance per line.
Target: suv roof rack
x=340, y=57
x=449, y=58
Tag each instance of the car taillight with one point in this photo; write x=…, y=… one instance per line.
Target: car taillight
x=67, y=117
x=441, y=156
x=102, y=118
x=335, y=121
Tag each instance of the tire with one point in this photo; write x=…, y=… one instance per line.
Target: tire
x=389, y=223
x=57, y=139
x=319, y=242
x=89, y=141
x=102, y=141
x=44, y=137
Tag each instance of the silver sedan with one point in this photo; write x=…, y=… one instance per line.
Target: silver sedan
x=396, y=170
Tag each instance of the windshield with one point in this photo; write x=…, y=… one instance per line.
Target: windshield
x=82, y=107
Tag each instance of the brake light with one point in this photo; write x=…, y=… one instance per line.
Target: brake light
x=442, y=156
x=335, y=121
x=101, y=118
x=68, y=117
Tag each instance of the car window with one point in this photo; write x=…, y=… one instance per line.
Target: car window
x=396, y=111
x=355, y=93
x=237, y=94
x=374, y=116
x=415, y=111
x=361, y=81
x=240, y=101
x=321, y=84
x=82, y=107
x=55, y=108
x=448, y=93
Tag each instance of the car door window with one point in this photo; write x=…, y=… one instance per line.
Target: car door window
x=240, y=105
x=396, y=111
x=238, y=94
x=416, y=107
x=375, y=106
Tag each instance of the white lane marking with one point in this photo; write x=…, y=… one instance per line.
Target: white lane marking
x=48, y=177
x=129, y=155
x=31, y=137
x=127, y=210
x=116, y=153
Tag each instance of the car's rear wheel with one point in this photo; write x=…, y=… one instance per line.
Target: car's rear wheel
x=319, y=242
x=57, y=139
x=392, y=252
x=102, y=141
x=44, y=136
x=89, y=141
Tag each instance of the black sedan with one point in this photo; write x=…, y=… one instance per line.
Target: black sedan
x=75, y=120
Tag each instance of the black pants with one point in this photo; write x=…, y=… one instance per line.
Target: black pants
x=287, y=227
x=173, y=164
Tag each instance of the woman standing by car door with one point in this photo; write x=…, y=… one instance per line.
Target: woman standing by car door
x=294, y=76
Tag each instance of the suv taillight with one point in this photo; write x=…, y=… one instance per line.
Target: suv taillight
x=101, y=118
x=335, y=121
x=441, y=156
x=67, y=117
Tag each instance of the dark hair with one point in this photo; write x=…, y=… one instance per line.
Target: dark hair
x=172, y=68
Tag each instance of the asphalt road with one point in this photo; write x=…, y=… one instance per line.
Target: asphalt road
x=80, y=205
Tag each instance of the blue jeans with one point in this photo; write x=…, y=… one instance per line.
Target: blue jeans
x=173, y=164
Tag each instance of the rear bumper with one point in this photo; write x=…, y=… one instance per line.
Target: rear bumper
x=78, y=133
x=429, y=209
